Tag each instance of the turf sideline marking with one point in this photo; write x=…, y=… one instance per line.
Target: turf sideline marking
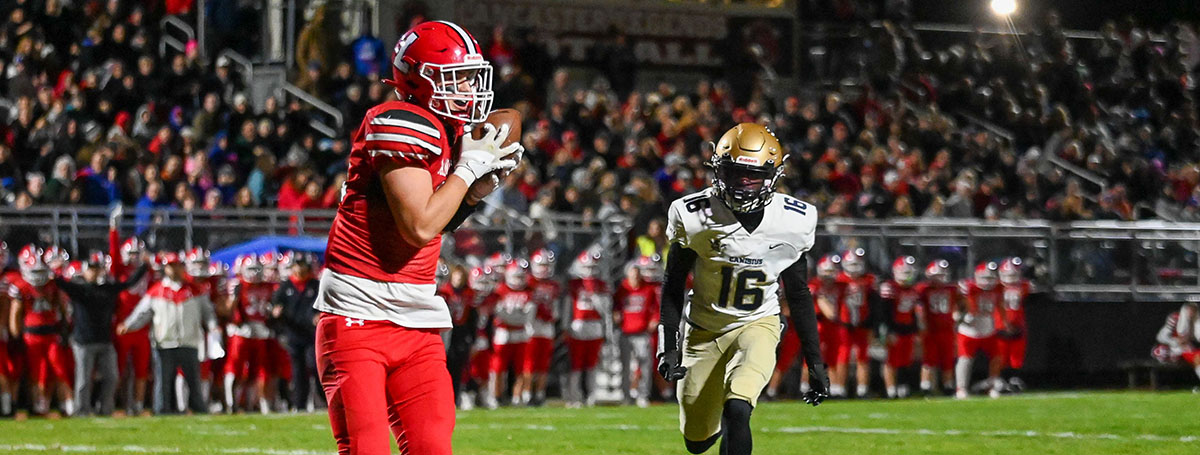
x=23, y=448
x=1028, y=434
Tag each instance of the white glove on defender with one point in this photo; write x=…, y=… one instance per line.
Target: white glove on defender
x=485, y=155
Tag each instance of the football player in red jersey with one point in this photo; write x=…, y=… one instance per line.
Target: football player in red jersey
x=279, y=363
x=900, y=298
x=37, y=311
x=512, y=307
x=827, y=294
x=460, y=299
x=249, y=307
x=379, y=345
x=590, y=299
x=8, y=376
x=547, y=293
x=1011, y=342
x=635, y=310
x=482, y=284
x=977, y=329
x=133, y=348
x=198, y=266
x=939, y=297
x=857, y=313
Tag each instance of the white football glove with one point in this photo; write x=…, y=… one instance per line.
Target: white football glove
x=485, y=155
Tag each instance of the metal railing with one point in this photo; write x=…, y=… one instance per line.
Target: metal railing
x=1095, y=260
x=316, y=124
x=167, y=40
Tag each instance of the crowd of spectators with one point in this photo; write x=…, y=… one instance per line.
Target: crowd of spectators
x=98, y=117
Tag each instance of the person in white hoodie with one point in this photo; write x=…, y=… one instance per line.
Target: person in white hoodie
x=179, y=314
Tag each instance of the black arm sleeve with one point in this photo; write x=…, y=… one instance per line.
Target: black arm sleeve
x=878, y=312
x=464, y=210
x=133, y=279
x=800, y=303
x=679, y=264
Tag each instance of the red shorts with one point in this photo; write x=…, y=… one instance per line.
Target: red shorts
x=513, y=354
x=585, y=354
x=968, y=346
x=278, y=360
x=381, y=379
x=789, y=349
x=831, y=335
x=853, y=338
x=133, y=349
x=538, y=354
x=1191, y=357
x=481, y=362
x=47, y=359
x=1012, y=351
x=900, y=351
x=248, y=358
x=937, y=350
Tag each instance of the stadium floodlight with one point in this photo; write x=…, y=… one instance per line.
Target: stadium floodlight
x=1004, y=8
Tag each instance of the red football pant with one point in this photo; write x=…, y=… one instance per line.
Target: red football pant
x=509, y=354
x=537, y=355
x=1192, y=357
x=900, y=351
x=789, y=348
x=1012, y=350
x=481, y=362
x=379, y=376
x=853, y=338
x=968, y=346
x=44, y=356
x=248, y=357
x=585, y=354
x=133, y=346
x=937, y=350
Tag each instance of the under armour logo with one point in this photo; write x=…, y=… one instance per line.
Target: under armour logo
x=350, y=322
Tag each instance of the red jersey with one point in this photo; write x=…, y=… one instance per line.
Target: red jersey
x=546, y=294
x=513, y=308
x=902, y=302
x=251, y=309
x=831, y=291
x=363, y=241
x=938, y=305
x=983, y=308
x=210, y=286
x=459, y=301
x=129, y=298
x=40, y=304
x=590, y=297
x=638, y=306
x=855, y=308
x=1014, y=304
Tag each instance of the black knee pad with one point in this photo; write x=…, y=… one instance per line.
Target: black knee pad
x=702, y=446
x=737, y=411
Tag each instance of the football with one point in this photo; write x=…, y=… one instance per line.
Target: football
x=498, y=118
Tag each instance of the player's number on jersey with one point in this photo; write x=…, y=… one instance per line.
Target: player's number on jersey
x=695, y=204
x=940, y=303
x=741, y=292
x=1012, y=300
x=794, y=205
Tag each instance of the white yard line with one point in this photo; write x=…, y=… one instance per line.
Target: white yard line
x=27, y=448
x=995, y=433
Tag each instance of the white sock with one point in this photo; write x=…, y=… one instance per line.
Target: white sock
x=5, y=403
x=997, y=383
x=962, y=373
x=526, y=396
x=837, y=390
x=68, y=406
x=574, y=387
x=263, y=406
x=891, y=391
x=804, y=388
x=926, y=385
x=229, y=392
x=180, y=393
x=41, y=406
x=861, y=390
x=590, y=377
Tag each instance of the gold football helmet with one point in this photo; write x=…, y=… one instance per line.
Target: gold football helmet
x=748, y=161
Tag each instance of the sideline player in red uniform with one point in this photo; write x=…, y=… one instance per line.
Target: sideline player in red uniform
x=379, y=346
x=249, y=307
x=1012, y=334
x=547, y=293
x=636, y=312
x=133, y=348
x=8, y=371
x=900, y=298
x=977, y=329
x=513, y=308
x=827, y=294
x=590, y=299
x=939, y=297
x=460, y=299
x=858, y=315
x=37, y=312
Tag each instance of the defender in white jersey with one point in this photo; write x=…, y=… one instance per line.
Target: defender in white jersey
x=741, y=241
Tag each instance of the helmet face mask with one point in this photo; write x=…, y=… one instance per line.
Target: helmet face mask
x=986, y=276
x=1010, y=271
x=542, y=264
x=938, y=271
x=747, y=164
x=854, y=263
x=904, y=270
x=449, y=98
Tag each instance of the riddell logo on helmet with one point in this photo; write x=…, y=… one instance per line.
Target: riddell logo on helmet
x=746, y=160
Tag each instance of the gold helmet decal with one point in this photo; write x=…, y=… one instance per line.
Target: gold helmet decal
x=748, y=161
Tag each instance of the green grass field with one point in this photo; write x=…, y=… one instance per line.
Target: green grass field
x=1060, y=423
